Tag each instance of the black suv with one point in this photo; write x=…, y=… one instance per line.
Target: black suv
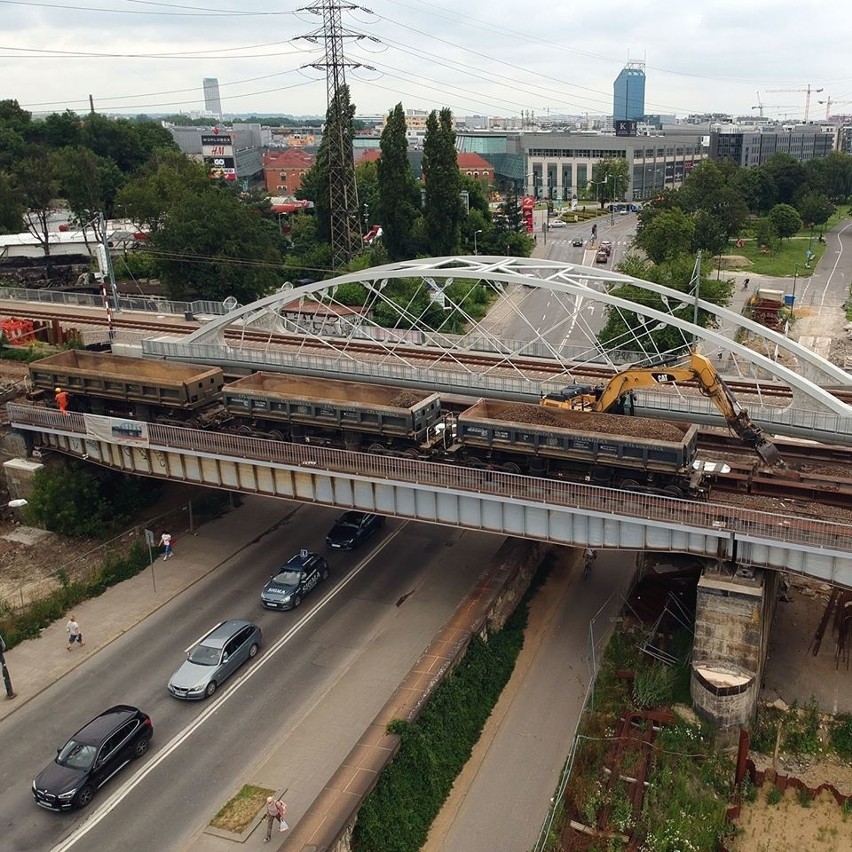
x=351, y=528
x=92, y=756
x=294, y=580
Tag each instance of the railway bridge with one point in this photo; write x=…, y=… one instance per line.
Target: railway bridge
x=328, y=338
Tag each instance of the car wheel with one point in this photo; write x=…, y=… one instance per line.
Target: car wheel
x=324, y=574
x=211, y=688
x=296, y=601
x=141, y=747
x=85, y=795
x=253, y=650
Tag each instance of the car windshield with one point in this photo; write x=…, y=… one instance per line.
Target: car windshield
x=204, y=655
x=347, y=524
x=77, y=755
x=288, y=578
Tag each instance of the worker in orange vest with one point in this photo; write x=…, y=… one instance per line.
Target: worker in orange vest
x=62, y=400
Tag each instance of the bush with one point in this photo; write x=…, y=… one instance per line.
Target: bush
x=397, y=815
x=27, y=624
x=841, y=735
x=75, y=499
x=652, y=687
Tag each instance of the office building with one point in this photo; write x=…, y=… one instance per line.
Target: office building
x=628, y=93
x=212, y=101
x=752, y=146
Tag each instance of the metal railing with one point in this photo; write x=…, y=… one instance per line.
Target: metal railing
x=145, y=304
x=661, y=511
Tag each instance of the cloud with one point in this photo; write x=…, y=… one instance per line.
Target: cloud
x=491, y=57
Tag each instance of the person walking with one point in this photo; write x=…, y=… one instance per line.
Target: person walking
x=61, y=397
x=275, y=809
x=72, y=628
x=745, y=284
x=166, y=542
x=589, y=557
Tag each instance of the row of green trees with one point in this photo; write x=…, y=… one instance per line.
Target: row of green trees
x=209, y=239
x=717, y=203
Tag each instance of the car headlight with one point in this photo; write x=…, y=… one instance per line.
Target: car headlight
x=34, y=786
x=286, y=598
x=69, y=795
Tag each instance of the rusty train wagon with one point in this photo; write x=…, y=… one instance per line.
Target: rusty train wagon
x=147, y=389
x=629, y=453
x=358, y=415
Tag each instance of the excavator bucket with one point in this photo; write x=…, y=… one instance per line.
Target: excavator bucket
x=768, y=452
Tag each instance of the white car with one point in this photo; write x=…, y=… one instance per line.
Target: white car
x=557, y=223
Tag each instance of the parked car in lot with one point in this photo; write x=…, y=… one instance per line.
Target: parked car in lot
x=298, y=576
x=351, y=528
x=99, y=750
x=602, y=256
x=215, y=658
x=558, y=223
x=577, y=241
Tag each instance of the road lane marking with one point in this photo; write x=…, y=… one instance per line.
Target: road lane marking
x=117, y=797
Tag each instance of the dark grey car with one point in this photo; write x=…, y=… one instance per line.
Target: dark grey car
x=215, y=658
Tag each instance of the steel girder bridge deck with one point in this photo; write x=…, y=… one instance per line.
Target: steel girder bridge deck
x=492, y=501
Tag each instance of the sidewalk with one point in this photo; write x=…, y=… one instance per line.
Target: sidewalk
x=38, y=663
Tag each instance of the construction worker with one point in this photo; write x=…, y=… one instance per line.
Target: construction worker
x=62, y=400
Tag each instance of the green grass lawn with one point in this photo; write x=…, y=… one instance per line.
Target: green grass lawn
x=784, y=261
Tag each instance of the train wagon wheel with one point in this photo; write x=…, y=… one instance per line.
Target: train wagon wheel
x=511, y=467
x=629, y=485
x=673, y=491
x=378, y=449
x=276, y=435
x=245, y=430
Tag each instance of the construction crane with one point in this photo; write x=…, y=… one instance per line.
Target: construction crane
x=828, y=102
x=759, y=105
x=807, y=92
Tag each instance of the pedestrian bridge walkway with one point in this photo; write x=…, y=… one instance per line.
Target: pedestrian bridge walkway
x=493, y=501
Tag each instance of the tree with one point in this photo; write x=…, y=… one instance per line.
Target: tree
x=213, y=246
x=89, y=184
x=815, y=209
x=757, y=188
x=628, y=330
x=710, y=234
x=11, y=207
x=399, y=195
x=36, y=179
x=785, y=219
x=788, y=175
x=765, y=234
x=61, y=130
x=442, y=210
x=165, y=179
x=611, y=175
x=666, y=235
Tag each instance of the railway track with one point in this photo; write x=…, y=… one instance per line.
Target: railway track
x=482, y=362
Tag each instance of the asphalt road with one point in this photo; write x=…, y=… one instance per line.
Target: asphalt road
x=561, y=319
x=402, y=585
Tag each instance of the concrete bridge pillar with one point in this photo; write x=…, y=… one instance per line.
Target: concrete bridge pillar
x=733, y=617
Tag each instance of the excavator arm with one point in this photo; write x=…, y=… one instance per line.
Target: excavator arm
x=698, y=369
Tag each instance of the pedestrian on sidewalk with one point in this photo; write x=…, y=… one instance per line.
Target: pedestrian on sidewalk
x=745, y=284
x=166, y=542
x=72, y=628
x=275, y=809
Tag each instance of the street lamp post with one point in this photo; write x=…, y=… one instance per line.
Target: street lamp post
x=474, y=240
x=7, y=680
x=612, y=199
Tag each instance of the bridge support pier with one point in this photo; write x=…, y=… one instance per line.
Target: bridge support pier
x=733, y=618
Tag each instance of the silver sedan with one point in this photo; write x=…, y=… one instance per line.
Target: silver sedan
x=215, y=657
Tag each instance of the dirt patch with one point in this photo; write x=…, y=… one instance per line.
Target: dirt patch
x=789, y=827
x=734, y=261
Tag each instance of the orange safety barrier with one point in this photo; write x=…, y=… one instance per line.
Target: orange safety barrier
x=18, y=332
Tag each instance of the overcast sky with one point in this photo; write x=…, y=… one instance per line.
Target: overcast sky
x=492, y=57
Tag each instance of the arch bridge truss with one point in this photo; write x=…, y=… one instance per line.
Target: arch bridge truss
x=508, y=326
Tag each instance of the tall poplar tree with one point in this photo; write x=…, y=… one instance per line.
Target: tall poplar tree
x=398, y=192
x=443, y=209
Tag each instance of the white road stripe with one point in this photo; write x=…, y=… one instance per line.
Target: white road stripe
x=118, y=796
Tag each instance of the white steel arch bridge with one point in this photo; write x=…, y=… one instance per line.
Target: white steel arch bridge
x=423, y=323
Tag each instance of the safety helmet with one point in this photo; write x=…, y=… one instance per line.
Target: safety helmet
x=57, y=390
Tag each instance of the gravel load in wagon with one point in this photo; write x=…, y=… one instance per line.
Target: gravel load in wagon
x=172, y=384
x=328, y=403
x=579, y=435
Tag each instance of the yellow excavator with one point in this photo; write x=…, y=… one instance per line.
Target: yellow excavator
x=611, y=396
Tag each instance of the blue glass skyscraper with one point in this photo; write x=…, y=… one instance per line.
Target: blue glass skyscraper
x=628, y=93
